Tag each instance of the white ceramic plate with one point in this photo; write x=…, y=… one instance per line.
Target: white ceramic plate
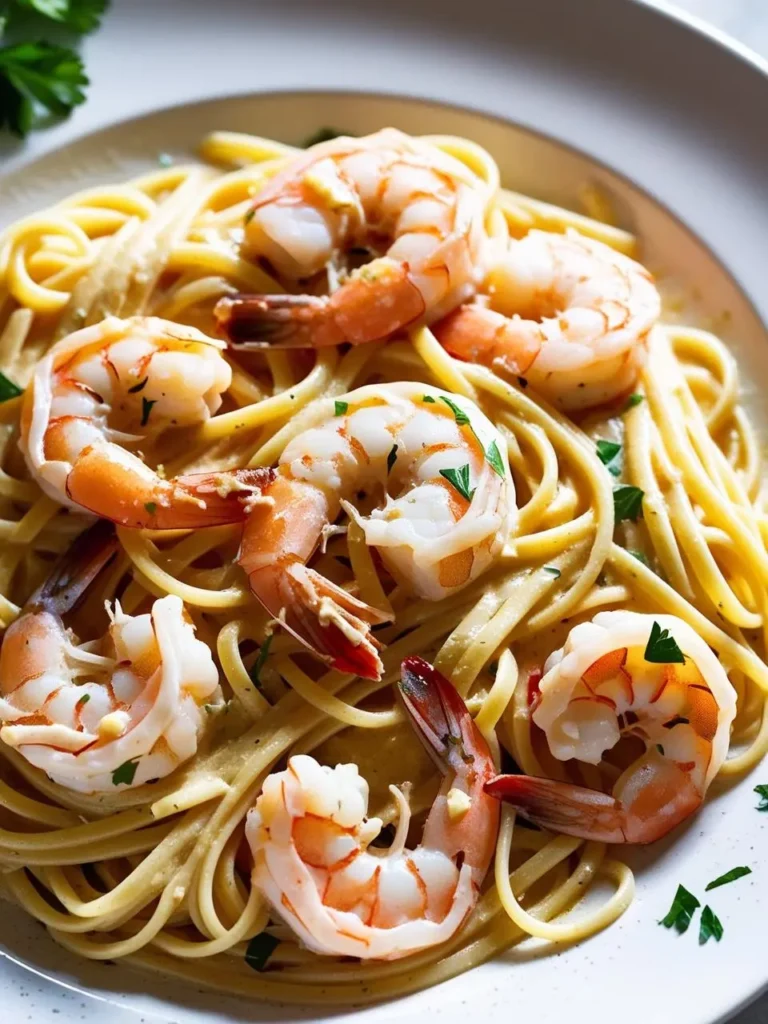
x=671, y=123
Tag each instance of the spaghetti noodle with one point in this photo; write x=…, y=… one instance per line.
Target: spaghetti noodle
x=155, y=873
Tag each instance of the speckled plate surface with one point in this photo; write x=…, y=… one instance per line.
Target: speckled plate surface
x=672, y=124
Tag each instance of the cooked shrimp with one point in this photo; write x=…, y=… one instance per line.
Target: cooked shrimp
x=310, y=840
x=448, y=506
x=110, y=713
x=568, y=314
x=611, y=680
x=116, y=384
x=420, y=210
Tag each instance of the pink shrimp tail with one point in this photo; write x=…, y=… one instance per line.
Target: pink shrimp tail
x=211, y=499
x=195, y=500
x=440, y=717
x=562, y=807
x=76, y=570
x=332, y=623
x=654, y=808
x=278, y=321
x=366, y=308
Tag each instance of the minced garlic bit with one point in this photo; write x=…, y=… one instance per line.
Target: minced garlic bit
x=458, y=803
x=113, y=725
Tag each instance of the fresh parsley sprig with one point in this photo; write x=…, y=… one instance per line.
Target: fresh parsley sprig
x=40, y=80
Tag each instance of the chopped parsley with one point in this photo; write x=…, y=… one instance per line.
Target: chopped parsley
x=138, y=387
x=494, y=460
x=553, y=571
x=321, y=135
x=710, y=926
x=83, y=700
x=151, y=507
x=610, y=454
x=146, y=409
x=729, y=876
x=640, y=556
x=461, y=417
x=684, y=906
x=762, y=792
x=428, y=399
x=460, y=480
x=633, y=400
x=249, y=216
x=125, y=773
x=38, y=79
x=79, y=16
x=339, y=408
x=662, y=648
x=392, y=458
x=8, y=389
x=627, y=503
x=260, y=949
x=261, y=658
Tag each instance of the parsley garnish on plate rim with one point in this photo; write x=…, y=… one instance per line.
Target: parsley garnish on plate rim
x=680, y=914
x=729, y=876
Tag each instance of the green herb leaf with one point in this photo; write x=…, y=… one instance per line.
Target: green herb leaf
x=762, y=792
x=633, y=400
x=125, y=773
x=339, y=408
x=261, y=658
x=461, y=417
x=151, y=507
x=610, y=454
x=321, y=135
x=627, y=503
x=729, y=876
x=640, y=556
x=260, y=949
x=683, y=907
x=83, y=700
x=38, y=79
x=460, y=480
x=660, y=749
x=8, y=389
x=249, y=216
x=710, y=926
x=80, y=16
x=428, y=399
x=494, y=459
x=138, y=387
x=662, y=648
x=392, y=458
x=146, y=409
x=553, y=571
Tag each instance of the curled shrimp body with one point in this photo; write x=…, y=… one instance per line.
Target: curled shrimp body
x=310, y=838
x=611, y=680
x=567, y=313
x=448, y=504
x=118, y=383
x=420, y=210
x=110, y=713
